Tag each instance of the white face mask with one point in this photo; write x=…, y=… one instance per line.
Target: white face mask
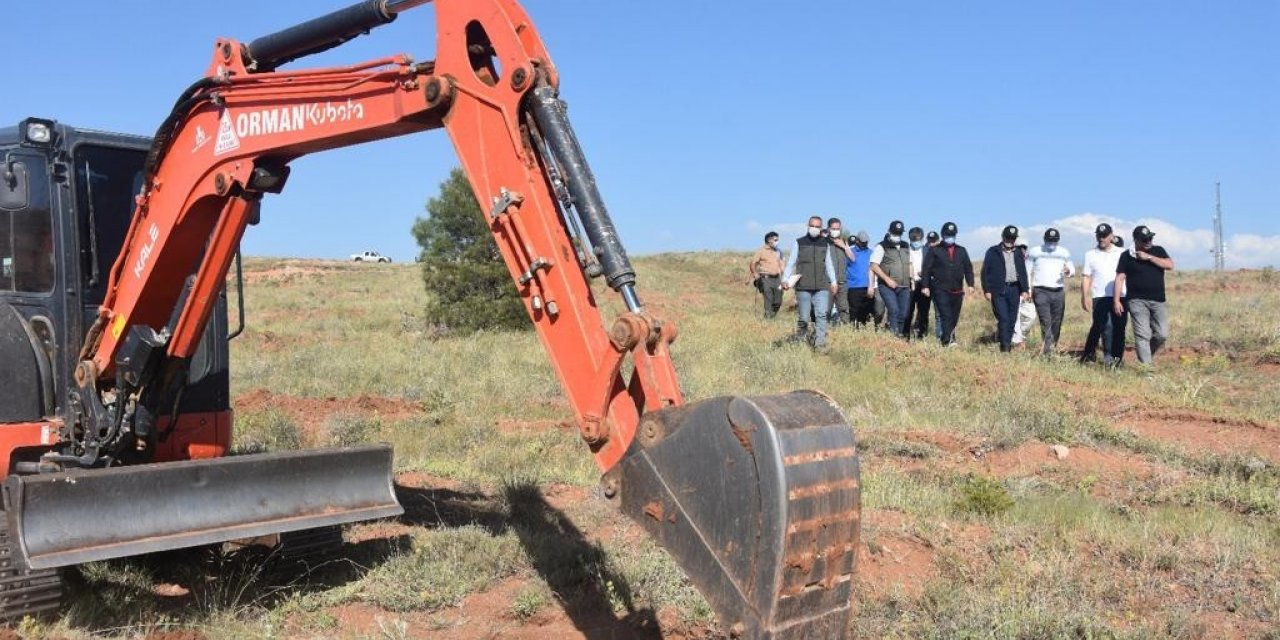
x=895, y=239
x=814, y=231
x=949, y=241
x=835, y=233
x=1050, y=246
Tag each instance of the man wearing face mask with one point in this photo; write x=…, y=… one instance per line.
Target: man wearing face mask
x=930, y=241
x=1050, y=266
x=917, y=320
x=891, y=262
x=809, y=271
x=766, y=274
x=858, y=280
x=1140, y=274
x=1097, y=291
x=840, y=262
x=1004, y=283
x=947, y=269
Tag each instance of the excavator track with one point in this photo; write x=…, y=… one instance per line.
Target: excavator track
x=308, y=550
x=25, y=592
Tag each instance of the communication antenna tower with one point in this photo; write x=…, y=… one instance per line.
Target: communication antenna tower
x=1219, y=244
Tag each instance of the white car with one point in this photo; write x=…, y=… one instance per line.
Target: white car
x=369, y=256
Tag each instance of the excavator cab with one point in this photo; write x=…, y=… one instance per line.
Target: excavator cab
x=66, y=201
x=66, y=204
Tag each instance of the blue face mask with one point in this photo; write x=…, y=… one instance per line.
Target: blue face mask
x=916, y=244
x=949, y=241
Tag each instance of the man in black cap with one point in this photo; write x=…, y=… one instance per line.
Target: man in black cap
x=1097, y=294
x=1005, y=284
x=1141, y=274
x=1050, y=266
x=891, y=263
x=947, y=269
x=930, y=241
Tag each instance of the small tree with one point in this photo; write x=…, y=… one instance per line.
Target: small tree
x=469, y=286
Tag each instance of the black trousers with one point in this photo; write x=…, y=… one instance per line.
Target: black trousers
x=917, y=324
x=860, y=306
x=1004, y=304
x=1104, y=314
x=949, y=306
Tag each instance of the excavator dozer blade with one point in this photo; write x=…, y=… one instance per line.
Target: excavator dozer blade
x=67, y=518
x=758, y=499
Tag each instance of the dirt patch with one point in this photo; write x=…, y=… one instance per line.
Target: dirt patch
x=1219, y=624
x=1035, y=457
x=271, y=342
x=1195, y=432
x=284, y=273
x=948, y=442
x=181, y=634
x=311, y=414
x=490, y=614
x=895, y=563
x=893, y=560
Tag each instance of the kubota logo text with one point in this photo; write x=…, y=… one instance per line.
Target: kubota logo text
x=262, y=122
x=153, y=233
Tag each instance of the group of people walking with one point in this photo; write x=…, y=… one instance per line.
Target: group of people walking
x=839, y=279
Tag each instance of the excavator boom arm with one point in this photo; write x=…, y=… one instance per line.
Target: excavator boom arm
x=757, y=498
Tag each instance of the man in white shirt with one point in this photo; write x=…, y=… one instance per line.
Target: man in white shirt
x=917, y=324
x=1050, y=266
x=1096, y=292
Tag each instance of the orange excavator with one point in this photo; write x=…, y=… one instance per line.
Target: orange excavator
x=114, y=411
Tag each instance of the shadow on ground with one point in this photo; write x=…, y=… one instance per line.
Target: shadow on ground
x=574, y=567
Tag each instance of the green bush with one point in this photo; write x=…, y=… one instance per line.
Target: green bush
x=983, y=496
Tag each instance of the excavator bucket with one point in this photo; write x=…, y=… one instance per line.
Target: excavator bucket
x=758, y=500
x=67, y=518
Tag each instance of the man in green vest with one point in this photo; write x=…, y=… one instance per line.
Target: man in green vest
x=891, y=264
x=810, y=272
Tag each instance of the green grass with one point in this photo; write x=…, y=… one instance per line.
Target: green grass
x=1058, y=553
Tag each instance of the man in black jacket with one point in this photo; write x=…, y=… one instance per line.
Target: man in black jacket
x=1004, y=281
x=947, y=269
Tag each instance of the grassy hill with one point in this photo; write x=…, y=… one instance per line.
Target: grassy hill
x=1163, y=520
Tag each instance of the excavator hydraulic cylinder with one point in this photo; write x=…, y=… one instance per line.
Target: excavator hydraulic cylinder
x=553, y=122
x=318, y=34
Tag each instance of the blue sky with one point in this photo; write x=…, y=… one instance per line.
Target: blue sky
x=709, y=123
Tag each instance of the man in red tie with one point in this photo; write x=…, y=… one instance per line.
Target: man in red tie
x=948, y=274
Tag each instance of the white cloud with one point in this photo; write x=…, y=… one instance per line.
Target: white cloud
x=1190, y=248
x=785, y=230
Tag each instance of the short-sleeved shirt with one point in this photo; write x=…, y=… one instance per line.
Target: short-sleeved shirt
x=1049, y=267
x=858, y=273
x=767, y=261
x=1144, y=280
x=1100, y=268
